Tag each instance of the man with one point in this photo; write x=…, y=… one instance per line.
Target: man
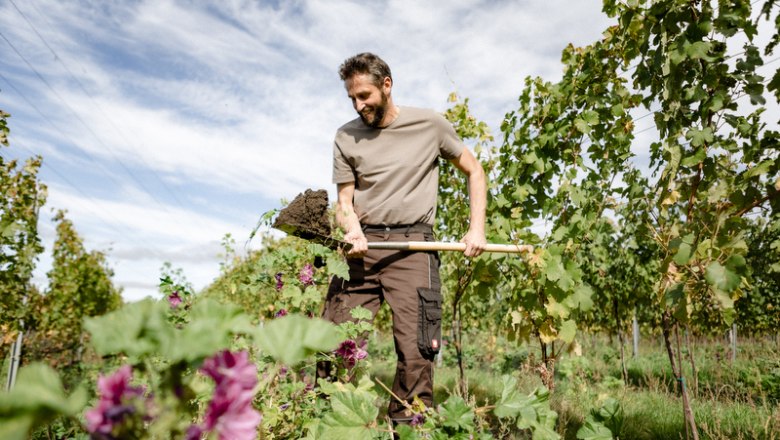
x=385, y=166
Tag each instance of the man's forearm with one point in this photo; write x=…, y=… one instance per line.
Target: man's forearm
x=477, y=201
x=347, y=219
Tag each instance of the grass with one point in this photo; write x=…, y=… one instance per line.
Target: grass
x=734, y=400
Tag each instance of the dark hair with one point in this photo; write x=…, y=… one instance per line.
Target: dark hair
x=365, y=63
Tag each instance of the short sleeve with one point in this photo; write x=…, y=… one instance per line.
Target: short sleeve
x=342, y=170
x=450, y=145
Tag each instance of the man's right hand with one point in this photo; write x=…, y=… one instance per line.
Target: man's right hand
x=358, y=242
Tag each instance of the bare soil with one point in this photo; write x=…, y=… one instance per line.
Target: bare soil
x=306, y=216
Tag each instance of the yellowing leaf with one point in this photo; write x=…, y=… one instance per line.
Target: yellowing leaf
x=547, y=333
x=556, y=309
x=671, y=199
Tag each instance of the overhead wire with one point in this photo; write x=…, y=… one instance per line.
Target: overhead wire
x=83, y=123
x=59, y=59
x=99, y=213
x=62, y=133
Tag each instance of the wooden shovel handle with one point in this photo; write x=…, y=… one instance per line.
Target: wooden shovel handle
x=442, y=246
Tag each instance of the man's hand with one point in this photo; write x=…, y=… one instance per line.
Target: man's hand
x=475, y=237
x=358, y=242
x=348, y=220
x=475, y=243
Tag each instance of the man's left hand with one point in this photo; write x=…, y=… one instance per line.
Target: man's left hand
x=475, y=243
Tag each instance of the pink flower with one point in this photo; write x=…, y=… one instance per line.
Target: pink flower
x=280, y=313
x=351, y=353
x=306, y=275
x=230, y=412
x=279, y=283
x=194, y=432
x=174, y=299
x=227, y=366
x=115, y=404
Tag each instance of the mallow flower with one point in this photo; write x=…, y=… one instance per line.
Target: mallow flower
x=306, y=275
x=174, y=299
x=230, y=413
x=351, y=353
x=116, y=402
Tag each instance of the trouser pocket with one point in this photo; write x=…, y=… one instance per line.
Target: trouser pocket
x=429, y=322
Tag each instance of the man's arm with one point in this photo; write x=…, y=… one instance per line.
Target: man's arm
x=348, y=220
x=475, y=237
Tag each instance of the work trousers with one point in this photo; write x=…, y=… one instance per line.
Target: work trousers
x=409, y=282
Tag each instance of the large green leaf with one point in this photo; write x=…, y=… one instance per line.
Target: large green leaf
x=580, y=298
x=353, y=415
x=211, y=328
x=406, y=432
x=511, y=402
x=16, y=426
x=531, y=411
x=684, y=249
x=457, y=414
x=293, y=338
x=721, y=277
x=37, y=397
x=337, y=266
x=136, y=329
x=593, y=430
x=567, y=331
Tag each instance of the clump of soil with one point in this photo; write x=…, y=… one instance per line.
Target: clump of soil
x=306, y=216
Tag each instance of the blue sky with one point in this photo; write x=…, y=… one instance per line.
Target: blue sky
x=166, y=124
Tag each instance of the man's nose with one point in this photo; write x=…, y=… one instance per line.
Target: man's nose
x=359, y=105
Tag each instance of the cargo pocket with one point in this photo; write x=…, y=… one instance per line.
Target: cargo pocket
x=429, y=322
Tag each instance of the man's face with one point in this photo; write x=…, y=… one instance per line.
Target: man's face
x=369, y=101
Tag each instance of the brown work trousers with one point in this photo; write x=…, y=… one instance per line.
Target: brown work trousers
x=409, y=282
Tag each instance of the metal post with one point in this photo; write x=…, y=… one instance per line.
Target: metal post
x=636, y=336
x=733, y=338
x=16, y=355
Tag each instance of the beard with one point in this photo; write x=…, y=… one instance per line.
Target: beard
x=378, y=113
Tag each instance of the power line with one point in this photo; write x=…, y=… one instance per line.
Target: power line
x=61, y=132
x=95, y=209
x=91, y=97
x=73, y=112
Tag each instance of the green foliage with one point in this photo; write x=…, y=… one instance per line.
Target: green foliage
x=142, y=329
x=79, y=286
x=79, y=281
x=311, y=336
x=267, y=281
x=4, y=130
x=21, y=197
x=530, y=411
x=166, y=353
x=757, y=311
x=717, y=159
x=603, y=422
x=694, y=245
x=353, y=413
x=37, y=399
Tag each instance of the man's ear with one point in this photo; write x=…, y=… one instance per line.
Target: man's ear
x=387, y=84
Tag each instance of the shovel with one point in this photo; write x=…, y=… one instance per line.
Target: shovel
x=332, y=243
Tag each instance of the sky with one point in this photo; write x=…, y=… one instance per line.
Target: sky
x=165, y=125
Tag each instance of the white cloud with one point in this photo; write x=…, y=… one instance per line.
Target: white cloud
x=199, y=116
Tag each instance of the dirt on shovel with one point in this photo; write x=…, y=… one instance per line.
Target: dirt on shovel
x=307, y=217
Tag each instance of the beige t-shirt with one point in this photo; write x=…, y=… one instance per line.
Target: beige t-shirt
x=396, y=168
